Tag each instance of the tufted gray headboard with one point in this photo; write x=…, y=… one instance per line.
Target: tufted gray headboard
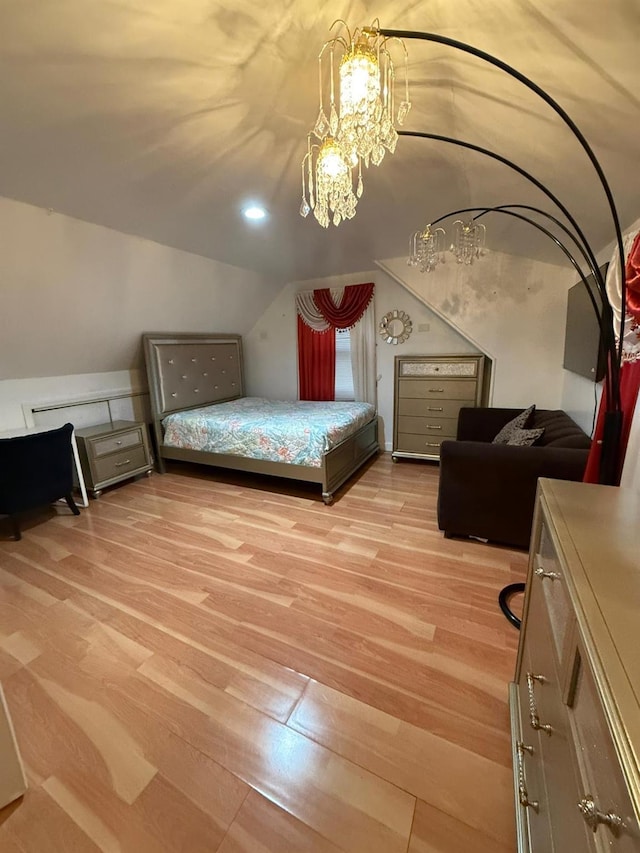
x=186, y=371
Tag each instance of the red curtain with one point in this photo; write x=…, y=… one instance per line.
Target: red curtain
x=354, y=303
x=316, y=362
x=629, y=384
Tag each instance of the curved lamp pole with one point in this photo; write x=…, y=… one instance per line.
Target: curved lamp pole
x=507, y=592
x=611, y=446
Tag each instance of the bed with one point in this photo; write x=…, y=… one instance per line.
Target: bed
x=193, y=377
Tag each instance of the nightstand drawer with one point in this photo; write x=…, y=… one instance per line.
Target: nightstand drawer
x=120, y=464
x=117, y=442
x=444, y=389
x=431, y=425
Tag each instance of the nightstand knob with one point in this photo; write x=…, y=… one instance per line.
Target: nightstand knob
x=194, y=360
x=184, y=375
x=174, y=394
x=170, y=361
x=205, y=374
x=118, y=441
x=196, y=390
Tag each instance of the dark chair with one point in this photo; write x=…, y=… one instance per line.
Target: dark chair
x=35, y=470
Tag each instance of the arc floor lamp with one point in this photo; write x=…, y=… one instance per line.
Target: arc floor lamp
x=368, y=46
x=348, y=135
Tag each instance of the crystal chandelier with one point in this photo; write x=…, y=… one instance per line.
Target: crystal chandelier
x=427, y=249
x=355, y=124
x=468, y=241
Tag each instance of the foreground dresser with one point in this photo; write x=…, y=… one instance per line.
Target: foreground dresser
x=429, y=391
x=575, y=702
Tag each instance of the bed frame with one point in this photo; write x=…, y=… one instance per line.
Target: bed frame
x=189, y=371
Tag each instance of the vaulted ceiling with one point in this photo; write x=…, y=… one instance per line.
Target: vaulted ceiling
x=161, y=118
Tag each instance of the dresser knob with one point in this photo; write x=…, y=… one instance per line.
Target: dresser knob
x=593, y=817
x=554, y=576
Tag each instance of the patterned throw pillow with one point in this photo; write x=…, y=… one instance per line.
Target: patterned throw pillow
x=519, y=422
x=525, y=437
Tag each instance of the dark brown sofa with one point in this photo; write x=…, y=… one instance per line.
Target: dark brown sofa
x=488, y=490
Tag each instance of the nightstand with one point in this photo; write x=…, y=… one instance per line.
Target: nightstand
x=113, y=452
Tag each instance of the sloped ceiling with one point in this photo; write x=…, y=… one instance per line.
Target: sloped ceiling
x=160, y=118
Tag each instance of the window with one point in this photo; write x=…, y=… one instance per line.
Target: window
x=344, y=371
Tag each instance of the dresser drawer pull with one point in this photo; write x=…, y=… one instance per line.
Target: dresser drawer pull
x=533, y=708
x=554, y=576
x=593, y=817
x=435, y=409
x=436, y=390
x=120, y=464
x=523, y=795
x=432, y=426
x=432, y=444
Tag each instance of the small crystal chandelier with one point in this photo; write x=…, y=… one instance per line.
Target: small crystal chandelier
x=468, y=241
x=427, y=248
x=356, y=121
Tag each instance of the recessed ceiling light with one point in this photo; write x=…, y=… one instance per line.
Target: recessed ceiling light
x=254, y=212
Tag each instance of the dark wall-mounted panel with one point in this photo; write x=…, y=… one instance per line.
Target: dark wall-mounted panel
x=583, y=350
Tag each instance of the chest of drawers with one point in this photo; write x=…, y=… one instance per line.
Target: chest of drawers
x=575, y=700
x=429, y=391
x=113, y=452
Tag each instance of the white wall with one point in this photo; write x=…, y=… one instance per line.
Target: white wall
x=76, y=297
x=271, y=346
x=511, y=308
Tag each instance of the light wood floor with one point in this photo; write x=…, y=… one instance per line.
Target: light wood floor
x=203, y=663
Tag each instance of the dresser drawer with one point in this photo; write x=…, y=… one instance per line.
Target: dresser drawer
x=430, y=408
x=443, y=427
x=602, y=778
x=103, y=446
x=428, y=445
x=439, y=368
x=121, y=464
x=546, y=721
x=445, y=389
x=548, y=572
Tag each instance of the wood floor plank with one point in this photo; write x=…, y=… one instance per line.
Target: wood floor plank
x=263, y=827
x=442, y=774
x=39, y=825
x=436, y=832
x=209, y=660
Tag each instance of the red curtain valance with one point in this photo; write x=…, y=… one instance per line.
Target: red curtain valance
x=354, y=303
x=632, y=273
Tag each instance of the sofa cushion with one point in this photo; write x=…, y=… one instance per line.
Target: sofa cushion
x=559, y=430
x=525, y=437
x=519, y=422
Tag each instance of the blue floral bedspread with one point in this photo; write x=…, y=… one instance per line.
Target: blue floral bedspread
x=298, y=432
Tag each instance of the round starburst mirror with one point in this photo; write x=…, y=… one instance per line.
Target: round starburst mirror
x=395, y=327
